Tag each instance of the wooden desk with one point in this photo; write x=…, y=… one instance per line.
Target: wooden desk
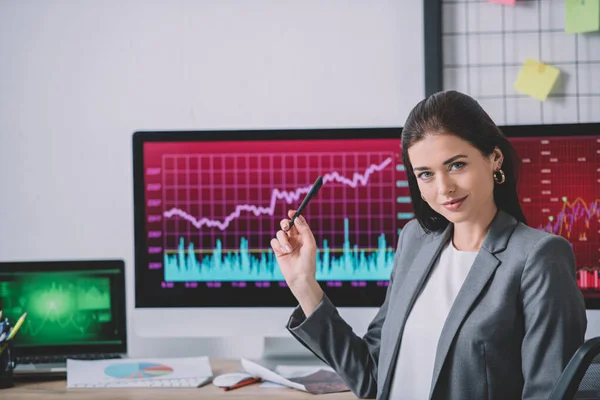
x=57, y=389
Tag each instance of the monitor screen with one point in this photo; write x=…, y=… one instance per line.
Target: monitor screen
x=208, y=203
x=69, y=304
x=559, y=191
x=211, y=202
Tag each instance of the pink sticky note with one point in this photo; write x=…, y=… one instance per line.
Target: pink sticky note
x=505, y=2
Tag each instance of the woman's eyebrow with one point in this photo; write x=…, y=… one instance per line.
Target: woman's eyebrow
x=448, y=161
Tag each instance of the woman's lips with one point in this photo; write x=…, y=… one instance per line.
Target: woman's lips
x=455, y=204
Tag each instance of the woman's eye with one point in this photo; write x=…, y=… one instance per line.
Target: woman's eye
x=425, y=175
x=457, y=165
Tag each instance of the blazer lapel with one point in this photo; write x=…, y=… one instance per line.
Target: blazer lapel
x=483, y=268
x=407, y=294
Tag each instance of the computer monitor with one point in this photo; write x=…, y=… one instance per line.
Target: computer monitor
x=559, y=191
x=73, y=307
x=208, y=203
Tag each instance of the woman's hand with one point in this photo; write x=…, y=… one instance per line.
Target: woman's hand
x=296, y=252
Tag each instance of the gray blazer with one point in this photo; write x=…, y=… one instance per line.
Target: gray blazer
x=515, y=323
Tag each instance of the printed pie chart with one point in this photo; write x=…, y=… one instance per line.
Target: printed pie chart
x=138, y=370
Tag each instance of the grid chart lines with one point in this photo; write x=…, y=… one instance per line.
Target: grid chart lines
x=485, y=45
x=178, y=182
x=227, y=206
x=555, y=202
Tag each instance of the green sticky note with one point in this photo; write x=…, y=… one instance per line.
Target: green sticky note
x=582, y=16
x=536, y=79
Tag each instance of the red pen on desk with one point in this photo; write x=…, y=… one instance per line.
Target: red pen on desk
x=245, y=382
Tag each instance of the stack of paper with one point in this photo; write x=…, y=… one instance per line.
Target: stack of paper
x=315, y=380
x=131, y=373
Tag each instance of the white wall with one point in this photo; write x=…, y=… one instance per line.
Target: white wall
x=78, y=77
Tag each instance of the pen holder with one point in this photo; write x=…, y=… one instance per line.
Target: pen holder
x=7, y=364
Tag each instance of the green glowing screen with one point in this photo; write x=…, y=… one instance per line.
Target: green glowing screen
x=63, y=308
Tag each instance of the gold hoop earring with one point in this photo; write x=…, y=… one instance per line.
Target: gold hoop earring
x=502, y=178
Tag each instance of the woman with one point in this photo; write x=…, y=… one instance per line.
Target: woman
x=479, y=306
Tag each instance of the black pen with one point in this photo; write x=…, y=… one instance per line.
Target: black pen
x=313, y=191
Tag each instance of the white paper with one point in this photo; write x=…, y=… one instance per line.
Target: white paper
x=128, y=372
x=268, y=375
x=293, y=371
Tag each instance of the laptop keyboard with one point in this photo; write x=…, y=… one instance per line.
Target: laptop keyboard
x=58, y=359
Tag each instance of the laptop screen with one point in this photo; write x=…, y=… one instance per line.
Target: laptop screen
x=74, y=307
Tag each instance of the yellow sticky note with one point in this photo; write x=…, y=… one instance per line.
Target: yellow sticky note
x=582, y=16
x=536, y=79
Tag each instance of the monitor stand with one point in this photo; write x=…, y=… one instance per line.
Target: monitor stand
x=286, y=351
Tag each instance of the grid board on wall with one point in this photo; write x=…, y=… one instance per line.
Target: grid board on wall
x=485, y=44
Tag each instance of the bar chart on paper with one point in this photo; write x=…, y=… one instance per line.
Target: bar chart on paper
x=219, y=209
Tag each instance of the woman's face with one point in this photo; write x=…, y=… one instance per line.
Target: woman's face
x=454, y=178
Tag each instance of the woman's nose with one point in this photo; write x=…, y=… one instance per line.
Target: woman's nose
x=446, y=186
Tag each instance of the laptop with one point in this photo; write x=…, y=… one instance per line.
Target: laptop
x=75, y=309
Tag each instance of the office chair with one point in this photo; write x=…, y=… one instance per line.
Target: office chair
x=580, y=379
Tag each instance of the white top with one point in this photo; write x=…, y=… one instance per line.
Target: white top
x=414, y=368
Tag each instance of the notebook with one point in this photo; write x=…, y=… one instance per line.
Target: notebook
x=75, y=309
